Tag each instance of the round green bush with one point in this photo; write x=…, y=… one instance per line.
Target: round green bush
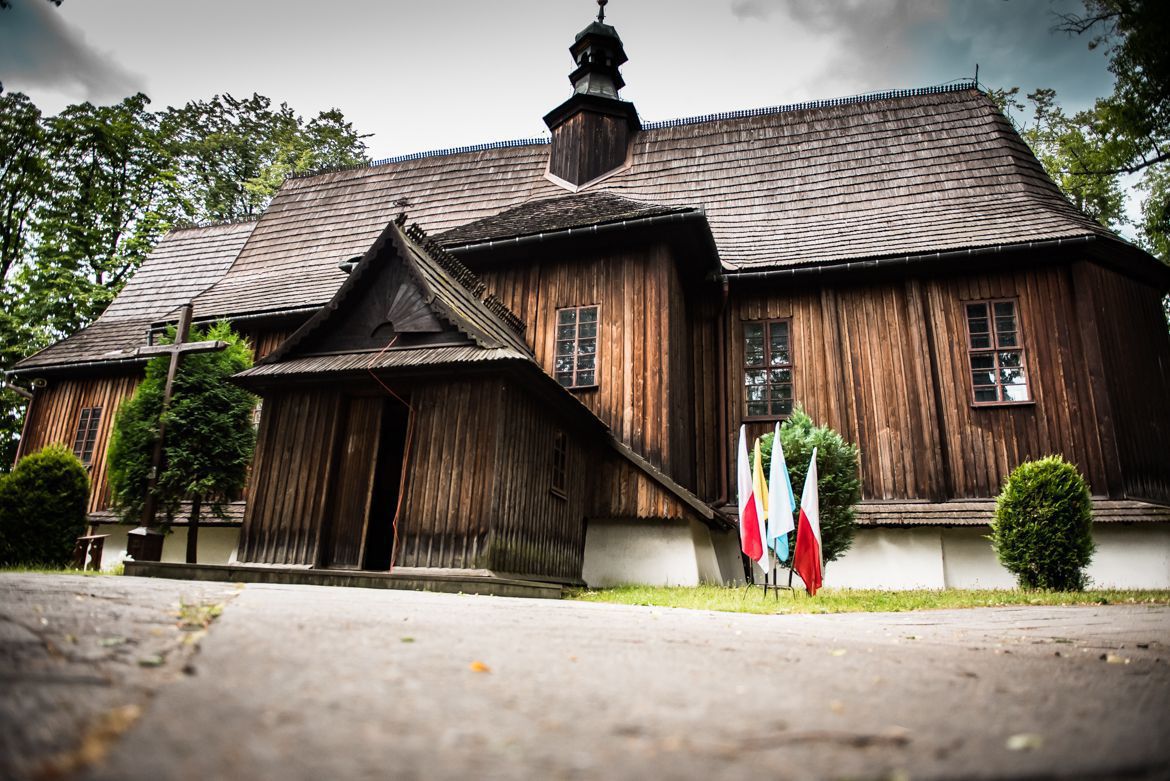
x=1043, y=525
x=42, y=508
x=838, y=477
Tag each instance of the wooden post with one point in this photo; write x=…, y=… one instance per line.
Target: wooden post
x=175, y=352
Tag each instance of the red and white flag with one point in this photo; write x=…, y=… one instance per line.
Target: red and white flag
x=751, y=515
x=806, y=559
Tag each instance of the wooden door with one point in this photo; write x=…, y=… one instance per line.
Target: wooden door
x=356, y=466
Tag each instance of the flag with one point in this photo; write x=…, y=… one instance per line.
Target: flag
x=760, y=491
x=806, y=560
x=781, y=500
x=751, y=543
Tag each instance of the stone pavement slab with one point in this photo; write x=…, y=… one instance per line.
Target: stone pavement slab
x=80, y=656
x=300, y=682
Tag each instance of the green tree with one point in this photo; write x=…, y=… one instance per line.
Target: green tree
x=838, y=480
x=114, y=194
x=235, y=153
x=42, y=508
x=209, y=434
x=23, y=175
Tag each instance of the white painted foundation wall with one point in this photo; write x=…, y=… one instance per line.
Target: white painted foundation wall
x=1127, y=556
x=217, y=544
x=659, y=553
x=620, y=552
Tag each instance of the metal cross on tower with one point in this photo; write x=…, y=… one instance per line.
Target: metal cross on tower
x=176, y=351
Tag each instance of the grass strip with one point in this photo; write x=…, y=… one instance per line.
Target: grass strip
x=742, y=600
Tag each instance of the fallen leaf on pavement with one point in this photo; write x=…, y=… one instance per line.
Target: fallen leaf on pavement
x=480, y=667
x=1025, y=741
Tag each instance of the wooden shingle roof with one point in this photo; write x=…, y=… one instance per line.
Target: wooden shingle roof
x=184, y=263
x=905, y=173
x=555, y=214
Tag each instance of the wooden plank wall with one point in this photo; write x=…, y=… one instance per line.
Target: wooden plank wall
x=588, y=145
x=863, y=365
x=536, y=532
x=1135, y=353
x=983, y=444
x=644, y=361
x=353, y=482
x=291, y=478
x=53, y=415
x=451, y=473
x=624, y=491
x=266, y=340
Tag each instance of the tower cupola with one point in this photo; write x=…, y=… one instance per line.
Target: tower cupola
x=592, y=130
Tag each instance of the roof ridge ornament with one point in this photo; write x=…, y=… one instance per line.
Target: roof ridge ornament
x=601, y=10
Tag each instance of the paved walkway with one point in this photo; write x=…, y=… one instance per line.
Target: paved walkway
x=317, y=683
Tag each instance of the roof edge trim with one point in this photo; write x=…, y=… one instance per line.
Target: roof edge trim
x=960, y=85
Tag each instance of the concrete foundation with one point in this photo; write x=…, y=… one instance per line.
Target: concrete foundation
x=217, y=544
x=659, y=553
x=1128, y=556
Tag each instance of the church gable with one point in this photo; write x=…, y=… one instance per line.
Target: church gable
x=404, y=292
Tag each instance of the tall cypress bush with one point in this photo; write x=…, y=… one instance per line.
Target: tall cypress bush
x=838, y=476
x=1043, y=525
x=42, y=508
x=209, y=436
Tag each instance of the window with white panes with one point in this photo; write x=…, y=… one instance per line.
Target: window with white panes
x=576, y=356
x=767, y=368
x=995, y=349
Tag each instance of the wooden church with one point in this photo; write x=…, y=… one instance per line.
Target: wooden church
x=532, y=358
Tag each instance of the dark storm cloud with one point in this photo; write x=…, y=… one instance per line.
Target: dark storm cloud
x=900, y=43
x=39, y=49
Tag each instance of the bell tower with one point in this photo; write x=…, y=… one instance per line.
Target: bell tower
x=592, y=130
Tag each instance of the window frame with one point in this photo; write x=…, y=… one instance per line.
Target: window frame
x=85, y=433
x=560, y=465
x=576, y=355
x=993, y=349
x=766, y=366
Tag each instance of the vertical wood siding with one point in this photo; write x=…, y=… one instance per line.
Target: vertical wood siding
x=451, y=473
x=624, y=491
x=588, y=145
x=536, y=532
x=1134, y=353
x=291, y=478
x=886, y=365
x=267, y=340
x=53, y=414
x=644, y=347
x=354, y=482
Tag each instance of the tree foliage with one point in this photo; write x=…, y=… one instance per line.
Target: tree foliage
x=1123, y=134
x=209, y=433
x=85, y=195
x=1042, y=530
x=42, y=508
x=838, y=476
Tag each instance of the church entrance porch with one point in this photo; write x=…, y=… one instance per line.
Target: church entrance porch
x=369, y=457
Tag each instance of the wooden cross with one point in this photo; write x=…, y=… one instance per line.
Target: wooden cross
x=176, y=352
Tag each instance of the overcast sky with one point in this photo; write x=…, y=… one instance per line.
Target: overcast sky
x=440, y=73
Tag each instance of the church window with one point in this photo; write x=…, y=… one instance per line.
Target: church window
x=576, y=356
x=560, y=461
x=86, y=436
x=768, y=368
x=995, y=350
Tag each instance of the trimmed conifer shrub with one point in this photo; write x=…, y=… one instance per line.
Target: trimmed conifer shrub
x=1043, y=525
x=209, y=438
x=42, y=508
x=838, y=477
